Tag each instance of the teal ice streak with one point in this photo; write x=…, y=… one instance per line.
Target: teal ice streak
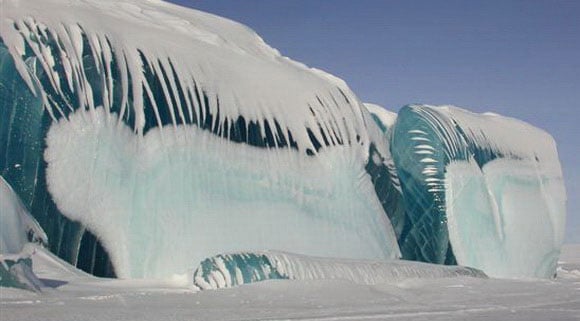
x=241, y=268
x=424, y=236
x=431, y=147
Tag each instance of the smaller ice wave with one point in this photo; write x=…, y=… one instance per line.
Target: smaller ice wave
x=229, y=270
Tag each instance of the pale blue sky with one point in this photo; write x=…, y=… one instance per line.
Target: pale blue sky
x=516, y=58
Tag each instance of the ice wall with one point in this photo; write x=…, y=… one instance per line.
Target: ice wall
x=24, y=123
x=200, y=142
x=480, y=189
x=160, y=136
x=228, y=270
x=170, y=201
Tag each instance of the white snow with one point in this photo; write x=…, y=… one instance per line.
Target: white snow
x=76, y=296
x=387, y=120
x=16, y=225
x=225, y=59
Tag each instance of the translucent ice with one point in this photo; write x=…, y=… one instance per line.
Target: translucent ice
x=381, y=167
x=159, y=203
x=160, y=136
x=481, y=189
x=503, y=218
x=203, y=141
x=228, y=270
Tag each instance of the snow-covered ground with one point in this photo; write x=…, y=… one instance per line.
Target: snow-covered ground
x=73, y=295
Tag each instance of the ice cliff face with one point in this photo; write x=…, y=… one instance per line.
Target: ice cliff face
x=205, y=140
x=479, y=189
x=146, y=137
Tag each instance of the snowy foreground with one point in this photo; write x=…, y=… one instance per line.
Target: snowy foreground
x=73, y=295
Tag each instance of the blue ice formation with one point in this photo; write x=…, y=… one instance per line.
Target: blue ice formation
x=481, y=190
x=230, y=270
x=169, y=157
x=140, y=158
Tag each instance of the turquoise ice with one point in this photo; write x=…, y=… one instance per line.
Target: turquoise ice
x=481, y=190
x=140, y=158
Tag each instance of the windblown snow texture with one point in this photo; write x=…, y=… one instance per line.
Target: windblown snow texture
x=481, y=189
x=229, y=270
x=205, y=140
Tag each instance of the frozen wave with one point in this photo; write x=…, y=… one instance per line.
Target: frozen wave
x=207, y=141
x=228, y=270
x=481, y=190
x=161, y=123
x=159, y=203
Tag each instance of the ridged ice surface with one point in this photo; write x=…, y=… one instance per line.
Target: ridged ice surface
x=199, y=69
x=173, y=134
x=481, y=189
x=228, y=270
